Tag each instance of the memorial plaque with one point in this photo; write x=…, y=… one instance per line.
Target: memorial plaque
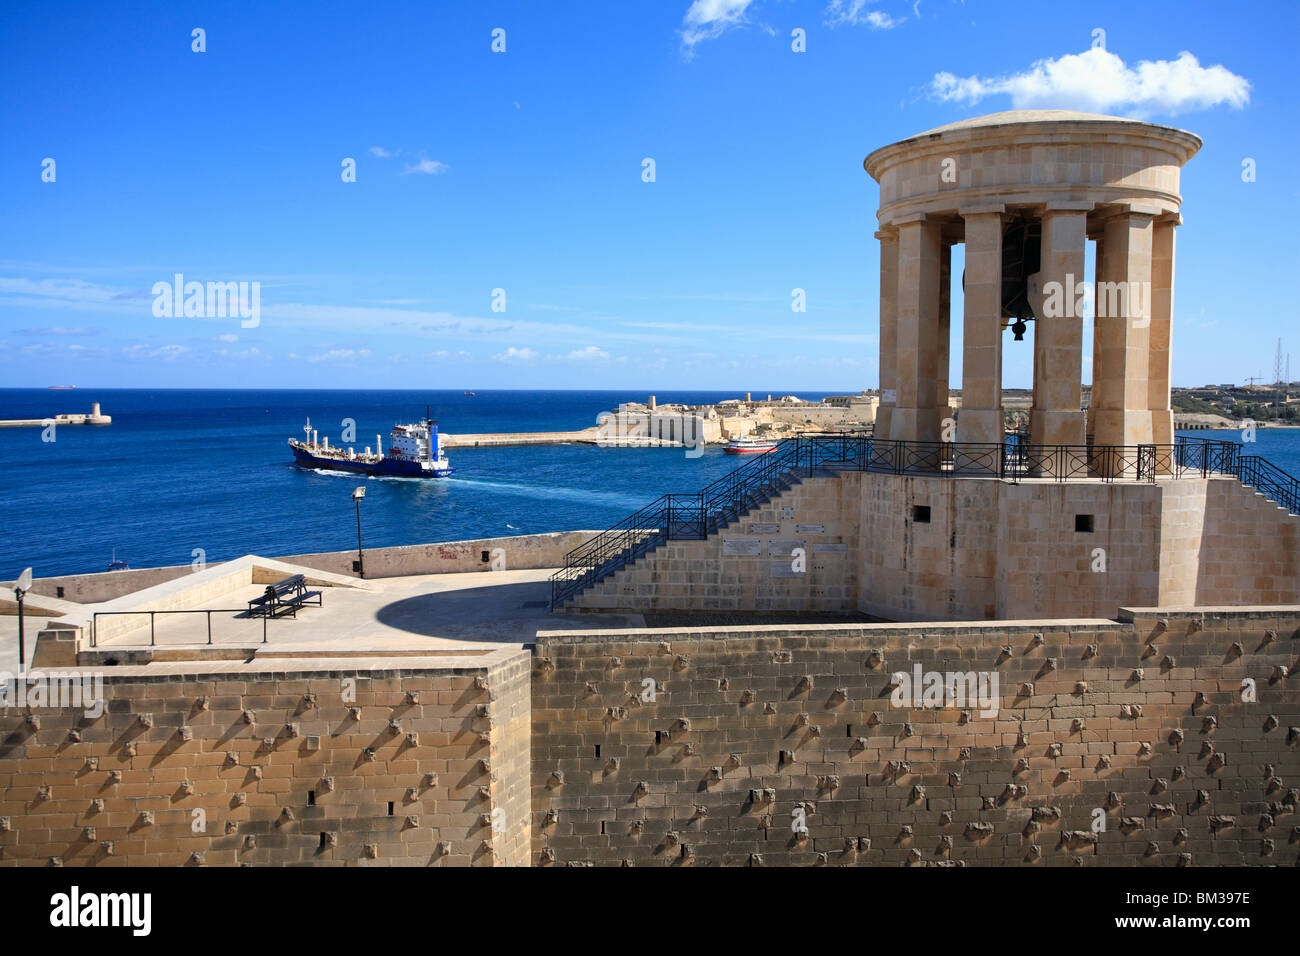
x=741, y=546
x=784, y=569
x=764, y=529
x=810, y=529
x=830, y=547
x=784, y=546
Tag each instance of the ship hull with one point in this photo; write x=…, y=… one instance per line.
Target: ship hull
x=387, y=467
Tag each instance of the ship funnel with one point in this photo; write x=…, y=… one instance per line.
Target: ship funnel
x=313, y=436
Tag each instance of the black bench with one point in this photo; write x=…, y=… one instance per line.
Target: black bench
x=284, y=597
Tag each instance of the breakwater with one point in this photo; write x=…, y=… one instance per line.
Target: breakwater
x=93, y=417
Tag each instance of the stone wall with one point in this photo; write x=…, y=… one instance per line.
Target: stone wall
x=751, y=565
x=510, y=701
x=413, y=776
x=679, y=746
x=997, y=550
x=521, y=551
x=1251, y=546
x=912, y=548
x=1097, y=720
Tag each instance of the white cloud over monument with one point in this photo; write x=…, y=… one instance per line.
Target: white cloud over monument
x=1099, y=81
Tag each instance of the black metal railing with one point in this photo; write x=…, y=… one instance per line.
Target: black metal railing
x=696, y=516
x=238, y=611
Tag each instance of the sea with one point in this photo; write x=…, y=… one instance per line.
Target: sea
x=188, y=474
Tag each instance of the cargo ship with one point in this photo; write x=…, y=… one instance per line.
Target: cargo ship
x=413, y=452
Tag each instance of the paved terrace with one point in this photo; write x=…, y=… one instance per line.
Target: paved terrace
x=425, y=611
x=423, y=614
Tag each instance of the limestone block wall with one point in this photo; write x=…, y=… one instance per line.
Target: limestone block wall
x=912, y=548
x=1140, y=724
x=752, y=564
x=1182, y=536
x=521, y=551
x=1251, y=547
x=822, y=414
x=510, y=710
x=230, y=763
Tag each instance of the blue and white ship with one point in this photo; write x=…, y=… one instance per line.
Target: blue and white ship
x=413, y=452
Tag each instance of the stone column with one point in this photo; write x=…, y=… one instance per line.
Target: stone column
x=1162, y=313
x=980, y=419
x=888, y=330
x=1056, y=418
x=1123, y=331
x=916, y=417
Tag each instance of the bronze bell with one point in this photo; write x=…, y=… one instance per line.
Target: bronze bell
x=1018, y=329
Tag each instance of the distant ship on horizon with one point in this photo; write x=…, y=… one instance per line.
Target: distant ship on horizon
x=61, y=388
x=414, y=451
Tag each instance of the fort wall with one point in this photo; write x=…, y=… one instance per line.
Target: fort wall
x=912, y=548
x=380, y=762
x=1165, y=737
x=521, y=551
x=748, y=731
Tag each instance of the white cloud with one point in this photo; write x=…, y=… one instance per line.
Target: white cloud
x=380, y=152
x=513, y=354
x=227, y=338
x=241, y=355
x=855, y=13
x=340, y=355
x=57, y=330
x=71, y=290
x=709, y=19
x=22, y=293
x=1099, y=81
x=589, y=354
x=430, y=167
x=168, y=353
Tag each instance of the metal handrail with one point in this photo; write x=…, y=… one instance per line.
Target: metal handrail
x=695, y=516
x=94, y=620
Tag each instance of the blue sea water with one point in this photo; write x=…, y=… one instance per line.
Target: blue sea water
x=180, y=470
x=185, y=469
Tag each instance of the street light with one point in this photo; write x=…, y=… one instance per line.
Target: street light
x=21, y=587
x=360, y=567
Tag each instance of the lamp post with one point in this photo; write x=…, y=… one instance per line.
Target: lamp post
x=361, y=558
x=21, y=587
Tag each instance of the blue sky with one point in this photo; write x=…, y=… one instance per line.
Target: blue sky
x=523, y=171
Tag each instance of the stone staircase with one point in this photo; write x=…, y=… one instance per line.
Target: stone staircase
x=695, y=517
